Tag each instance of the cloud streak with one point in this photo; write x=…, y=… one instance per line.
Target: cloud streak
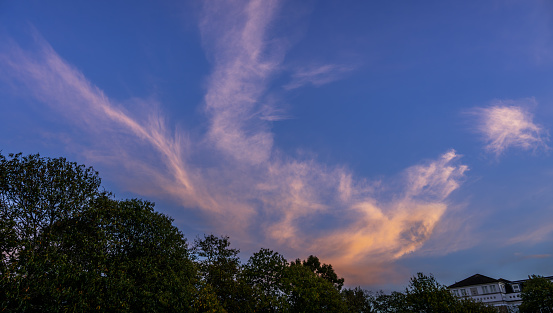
x=53, y=81
x=249, y=188
x=242, y=67
x=317, y=75
x=506, y=125
x=540, y=234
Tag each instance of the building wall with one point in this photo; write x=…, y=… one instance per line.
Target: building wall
x=496, y=292
x=493, y=293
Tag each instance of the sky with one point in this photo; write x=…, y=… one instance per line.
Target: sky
x=385, y=137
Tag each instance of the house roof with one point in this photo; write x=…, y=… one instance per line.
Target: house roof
x=476, y=279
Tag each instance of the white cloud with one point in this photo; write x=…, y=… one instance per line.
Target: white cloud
x=507, y=124
x=235, y=35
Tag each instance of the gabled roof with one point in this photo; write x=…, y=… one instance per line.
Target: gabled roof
x=476, y=279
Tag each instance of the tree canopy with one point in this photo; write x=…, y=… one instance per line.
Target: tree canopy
x=537, y=295
x=68, y=246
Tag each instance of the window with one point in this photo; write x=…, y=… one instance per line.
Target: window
x=463, y=292
x=492, y=288
x=474, y=291
x=484, y=289
x=516, y=288
x=456, y=293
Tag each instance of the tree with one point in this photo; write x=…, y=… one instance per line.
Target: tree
x=537, y=295
x=206, y=300
x=425, y=294
x=147, y=266
x=219, y=268
x=264, y=274
x=324, y=271
x=308, y=292
x=68, y=246
x=357, y=300
x=392, y=303
x=35, y=194
x=468, y=305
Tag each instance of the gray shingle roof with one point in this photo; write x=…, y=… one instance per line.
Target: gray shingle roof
x=476, y=279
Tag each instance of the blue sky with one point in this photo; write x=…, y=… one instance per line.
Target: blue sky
x=387, y=138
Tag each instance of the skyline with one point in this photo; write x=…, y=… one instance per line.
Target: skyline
x=384, y=139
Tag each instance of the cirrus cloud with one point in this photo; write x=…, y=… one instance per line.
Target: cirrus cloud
x=248, y=188
x=317, y=75
x=506, y=124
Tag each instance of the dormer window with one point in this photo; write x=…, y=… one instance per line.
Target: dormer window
x=516, y=288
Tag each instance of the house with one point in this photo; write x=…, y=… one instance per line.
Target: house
x=496, y=292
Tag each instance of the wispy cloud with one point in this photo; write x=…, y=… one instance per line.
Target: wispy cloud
x=248, y=186
x=387, y=230
x=540, y=234
x=533, y=256
x=236, y=37
x=507, y=124
x=53, y=81
x=317, y=75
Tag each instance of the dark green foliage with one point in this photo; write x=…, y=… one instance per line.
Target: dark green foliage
x=36, y=195
x=218, y=263
x=295, y=287
x=67, y=246
x=425, y=294
x=357, y=300
x=147, y=262
x=324, y=271
x=219, y=268
x=307, y=292
x=394, y=302
x=470, y=305
x=206, y=300
x=537, y=295
x=264, y=273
